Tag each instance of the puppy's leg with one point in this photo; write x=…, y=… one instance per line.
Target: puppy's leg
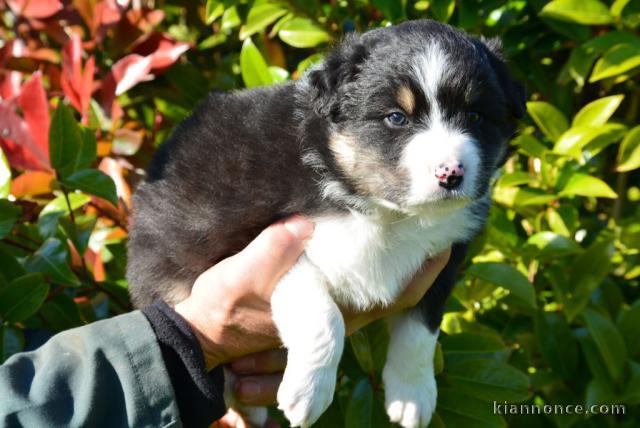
x=410, y=385
x=255, y=415
x=312, y=329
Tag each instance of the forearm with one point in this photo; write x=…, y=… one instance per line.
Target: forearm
x=109, y=373
x=131, y=370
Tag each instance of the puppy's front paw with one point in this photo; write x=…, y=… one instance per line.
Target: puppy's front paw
x=304, y=395
x=409, y=403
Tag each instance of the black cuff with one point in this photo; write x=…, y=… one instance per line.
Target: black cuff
x=199, y=394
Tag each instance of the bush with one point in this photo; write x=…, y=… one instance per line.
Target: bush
x=547, y=310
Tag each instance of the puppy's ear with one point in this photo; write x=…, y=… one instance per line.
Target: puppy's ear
x=513, y=90
x=340, y=67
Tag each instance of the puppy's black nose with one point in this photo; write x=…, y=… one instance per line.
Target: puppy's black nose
x=450, y=175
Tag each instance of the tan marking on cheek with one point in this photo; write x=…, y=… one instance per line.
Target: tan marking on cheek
x=369, y=173
x=406, y=99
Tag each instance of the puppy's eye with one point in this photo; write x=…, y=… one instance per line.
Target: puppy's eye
x=474, y=118
x=397, y=119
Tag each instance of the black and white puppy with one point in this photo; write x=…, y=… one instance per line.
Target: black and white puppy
x=389, y=146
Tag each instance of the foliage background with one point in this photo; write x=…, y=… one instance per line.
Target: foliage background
x=547, y=311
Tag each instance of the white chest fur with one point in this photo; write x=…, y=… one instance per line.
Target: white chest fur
x=367, y=261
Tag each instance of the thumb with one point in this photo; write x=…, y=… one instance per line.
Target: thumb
x=272, y=253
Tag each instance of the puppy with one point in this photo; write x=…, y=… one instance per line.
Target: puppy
x=389, y=146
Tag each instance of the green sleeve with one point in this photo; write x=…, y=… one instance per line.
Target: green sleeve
x=106, y=374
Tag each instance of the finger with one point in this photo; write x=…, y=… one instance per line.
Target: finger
x=433, y=266
x=265, y=362
x=258, y=390
x=276, y=249
x=423, y=280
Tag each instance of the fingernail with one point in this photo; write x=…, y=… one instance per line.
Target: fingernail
x=299, y=226
x=248, y=389
x=244, y=365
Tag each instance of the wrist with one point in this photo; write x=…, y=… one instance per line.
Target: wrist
x=204, y=330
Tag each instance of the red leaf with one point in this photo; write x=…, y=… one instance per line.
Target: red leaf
x=131, y=70
x=35, y=109
x=114, y=169
x=87, y=85
x=106, y=14
x=15, y=139
x=10, y=80
x=31, y=183
x=77, y=86
x=35, y=8
x=163, y=50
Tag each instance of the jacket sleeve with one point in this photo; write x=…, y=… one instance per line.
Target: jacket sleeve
x=109, y=373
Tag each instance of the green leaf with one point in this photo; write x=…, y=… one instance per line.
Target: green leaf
x=489, y=380
x=5, y=175
x=443, y=9
x=587, y=185
x=556, y=343
x=393, y=10
x=65, y=140
x=587, y=272
x=507, y=277
x=254, y=68
x=309, y=61
x=61, y=313
x=230, y=19
x=51, y=213
x=551, y=245
x=609, y=342
x=51, y=259
x=522, y=196
x=88, y=150
x=597, y=112
x=362, y=350
x=573, y=141
x=23, y=297
x=94, y=182
x=585, y=12
x=472, y=346
x=302, y=33
x=457, y=409
x=9, y=214
x=515, y=179
x=278, y=74
x=360, y=406
x=629, y=326
x=214, y=10
x=530, y=145
x=616, y=61
x=592, y=356
x=261, y=15
x=629, y=151
x=11, y=269
x=80, y=231
x=580, y=62
x=551, y=121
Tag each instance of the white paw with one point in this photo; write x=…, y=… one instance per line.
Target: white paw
x=304, y=395
x=409, y=403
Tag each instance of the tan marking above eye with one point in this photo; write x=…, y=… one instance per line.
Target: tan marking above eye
x=406, y=99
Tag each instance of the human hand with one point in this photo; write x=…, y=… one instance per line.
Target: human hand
x=229, y=308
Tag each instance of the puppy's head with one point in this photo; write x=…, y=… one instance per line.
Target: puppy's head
x=419, y=113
